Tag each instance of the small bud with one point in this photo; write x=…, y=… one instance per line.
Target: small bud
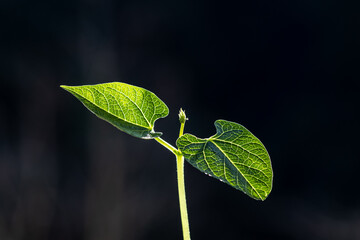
x=182, y=116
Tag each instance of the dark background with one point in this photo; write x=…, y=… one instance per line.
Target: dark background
x=287, y=70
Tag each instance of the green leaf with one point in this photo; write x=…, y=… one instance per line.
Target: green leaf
x=131, y=109
x=233, y=155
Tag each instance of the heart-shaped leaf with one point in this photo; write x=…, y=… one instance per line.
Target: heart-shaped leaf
x=131, y=109
x=233, y=155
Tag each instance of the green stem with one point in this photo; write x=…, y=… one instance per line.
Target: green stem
x=182, y=126
x=181, y=185
x=182, y=197
x=167, y=145
x=180, y=177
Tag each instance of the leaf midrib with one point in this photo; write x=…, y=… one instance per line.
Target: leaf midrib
x=134, y=104
x=111, y=112
x=220, y=140
x=237, y=169
x=206, y=140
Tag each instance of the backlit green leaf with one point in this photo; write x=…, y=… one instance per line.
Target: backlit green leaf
x=131, y=109
x=233, y=155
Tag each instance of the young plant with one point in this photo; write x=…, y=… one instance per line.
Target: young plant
x=233, y=155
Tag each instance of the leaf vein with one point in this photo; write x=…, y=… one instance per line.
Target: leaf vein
x=134, y=104
x=237, y=169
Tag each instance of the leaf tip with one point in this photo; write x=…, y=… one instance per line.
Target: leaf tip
x=70, y=89
x=64, y=87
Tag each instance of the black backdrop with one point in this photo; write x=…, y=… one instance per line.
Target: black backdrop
x=287, y=70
